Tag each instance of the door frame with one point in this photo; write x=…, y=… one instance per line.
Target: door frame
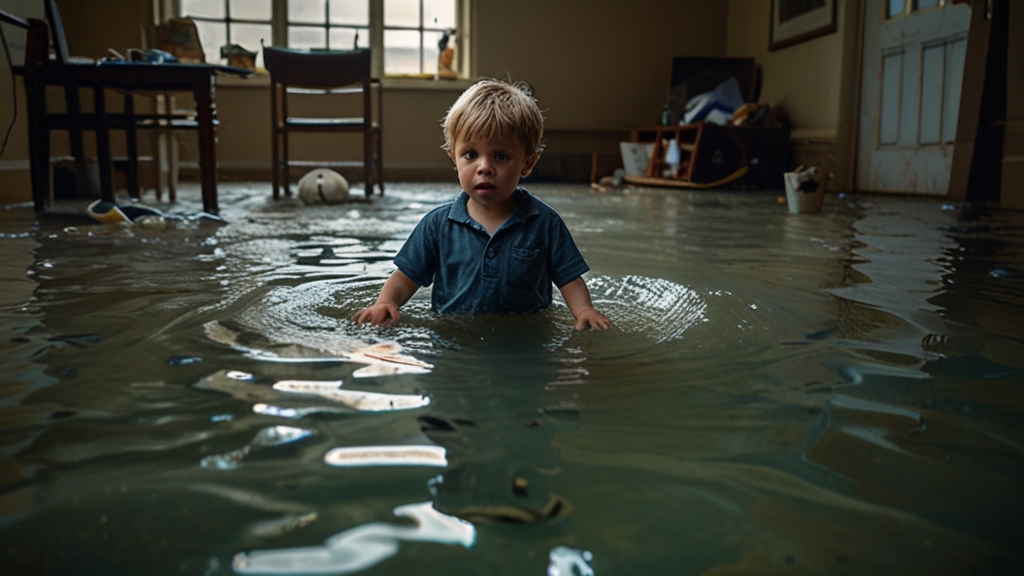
x=848, y=128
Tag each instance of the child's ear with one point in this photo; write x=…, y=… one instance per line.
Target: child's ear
x=530, y=162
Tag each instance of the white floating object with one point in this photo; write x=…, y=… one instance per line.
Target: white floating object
x=387, y=456
x=355, y=399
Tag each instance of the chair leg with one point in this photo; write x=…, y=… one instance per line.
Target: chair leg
x=172, y=167
x=286, y=180
x=103, y=146
x=368, y=160
x=159, y=153
x=380, y=163
x=131, y=143
x=275, y=144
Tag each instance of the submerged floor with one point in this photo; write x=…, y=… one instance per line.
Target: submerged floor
x=816, y=393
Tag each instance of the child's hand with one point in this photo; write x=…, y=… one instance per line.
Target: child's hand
x=593, y=319
x=380, y=314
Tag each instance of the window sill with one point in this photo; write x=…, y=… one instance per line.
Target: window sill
x=262, y=80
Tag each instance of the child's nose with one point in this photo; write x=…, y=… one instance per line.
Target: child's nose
x=484, y=167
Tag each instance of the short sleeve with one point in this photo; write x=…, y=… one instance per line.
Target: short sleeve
x=418, y=258
x=564, y=258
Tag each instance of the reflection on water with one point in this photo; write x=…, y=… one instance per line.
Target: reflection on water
x=826, y=393
x=359, y=548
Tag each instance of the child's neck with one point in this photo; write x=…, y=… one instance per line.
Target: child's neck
x=492, y=217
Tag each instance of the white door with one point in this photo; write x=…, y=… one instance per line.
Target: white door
x=910, y=94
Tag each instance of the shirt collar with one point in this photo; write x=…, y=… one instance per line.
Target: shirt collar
x=527, y=209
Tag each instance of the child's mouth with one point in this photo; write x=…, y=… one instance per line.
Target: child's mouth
x=484, y=186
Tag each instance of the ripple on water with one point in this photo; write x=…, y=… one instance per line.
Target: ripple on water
x=657, y=308
x=310, y=320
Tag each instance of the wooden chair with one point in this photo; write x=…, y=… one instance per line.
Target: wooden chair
x=330, y=73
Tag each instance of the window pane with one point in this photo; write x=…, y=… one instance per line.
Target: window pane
x=342, y=38
x=314, y=11
x=250, y=9
x=401, y=52
x=897, y=8
x=210, y=8
x=439, y=13
x=249, y=35
x=430, y=50
x=356, y=12
x=307, y=37
x=402, y=13
x=212, y=35
x=922, y=4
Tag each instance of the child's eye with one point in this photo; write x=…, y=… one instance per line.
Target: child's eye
x=469, y=154
x=501, y=157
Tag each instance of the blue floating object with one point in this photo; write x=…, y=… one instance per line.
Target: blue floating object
x=180, y=360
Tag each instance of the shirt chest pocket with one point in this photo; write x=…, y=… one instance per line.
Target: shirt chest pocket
x=526, y=267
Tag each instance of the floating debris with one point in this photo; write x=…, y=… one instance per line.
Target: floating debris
x=182, y=360
x=556, y=509
x=357, y=456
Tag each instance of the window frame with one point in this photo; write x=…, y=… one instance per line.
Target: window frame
x=279, y=31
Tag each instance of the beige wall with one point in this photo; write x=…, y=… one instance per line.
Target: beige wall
x=804, y=79
x=600, y=66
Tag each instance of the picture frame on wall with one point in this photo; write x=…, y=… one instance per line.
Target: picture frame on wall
x=793, y=21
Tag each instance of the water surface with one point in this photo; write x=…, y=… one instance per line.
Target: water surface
x=824, y=393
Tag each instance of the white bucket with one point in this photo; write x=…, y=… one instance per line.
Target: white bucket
x=800, y=201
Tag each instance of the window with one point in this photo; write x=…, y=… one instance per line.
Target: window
x=404, y=34
x=903, y=7
x=223, y=22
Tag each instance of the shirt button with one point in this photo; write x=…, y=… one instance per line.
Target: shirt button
x=490, y=253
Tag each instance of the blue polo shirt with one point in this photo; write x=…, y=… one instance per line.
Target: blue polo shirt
x=509, y=272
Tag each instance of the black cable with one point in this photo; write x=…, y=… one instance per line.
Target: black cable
x=14, y=91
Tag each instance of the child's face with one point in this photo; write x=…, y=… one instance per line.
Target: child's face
x=489, y=169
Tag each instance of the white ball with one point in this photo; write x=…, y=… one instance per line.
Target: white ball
x=323, y=186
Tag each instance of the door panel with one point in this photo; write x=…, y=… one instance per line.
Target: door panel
x=913, y=69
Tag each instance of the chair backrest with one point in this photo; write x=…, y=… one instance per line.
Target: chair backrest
x=317, y=69
x=60, y=42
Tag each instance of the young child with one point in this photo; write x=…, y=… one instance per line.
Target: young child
x=496, y=248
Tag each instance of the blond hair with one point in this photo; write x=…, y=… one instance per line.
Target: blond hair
x=494, y=108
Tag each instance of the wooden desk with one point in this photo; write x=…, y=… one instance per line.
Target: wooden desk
x=126, y=76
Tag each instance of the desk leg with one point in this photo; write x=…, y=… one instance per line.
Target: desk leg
x=103, y=145
x=39, y=143
x=207, y=144
x=131, y=142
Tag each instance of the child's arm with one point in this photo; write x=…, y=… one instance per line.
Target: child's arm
x=577, y=297
x=396, y=292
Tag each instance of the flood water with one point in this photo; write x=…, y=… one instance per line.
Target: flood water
x=834, y=393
